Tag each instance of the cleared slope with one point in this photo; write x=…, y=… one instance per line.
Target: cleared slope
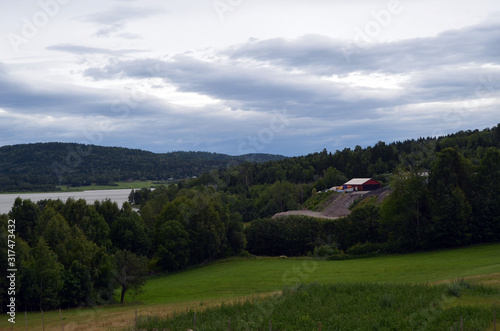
x=338, y=204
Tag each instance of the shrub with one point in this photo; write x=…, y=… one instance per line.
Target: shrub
x=324, y=251
x=454, y=289
x=367, y=248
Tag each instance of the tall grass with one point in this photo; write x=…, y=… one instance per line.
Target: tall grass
x=339, y=307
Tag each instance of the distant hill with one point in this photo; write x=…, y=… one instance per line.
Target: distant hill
x=41, y=166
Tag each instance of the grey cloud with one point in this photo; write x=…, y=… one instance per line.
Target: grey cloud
x=121, y=14
x=250, y=88
x=105, y=31
x=67, y=100
x=80, y=50
x=327, y=56
x=448, y=84
x=127, y=35
x=112, y=22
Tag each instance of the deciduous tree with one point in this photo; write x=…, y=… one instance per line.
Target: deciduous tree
x=130, y=272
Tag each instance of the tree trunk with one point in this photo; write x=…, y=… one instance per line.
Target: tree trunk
x=123, y=294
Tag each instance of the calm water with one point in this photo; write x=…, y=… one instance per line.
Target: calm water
x=118, y=196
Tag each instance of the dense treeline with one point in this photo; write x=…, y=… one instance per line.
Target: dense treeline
x=445, y=192
x=71, y=254
x=456, y=204
x=42, y=166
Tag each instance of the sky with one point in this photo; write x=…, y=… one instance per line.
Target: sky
x=287, y=77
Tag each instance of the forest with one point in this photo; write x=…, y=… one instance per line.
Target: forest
x=445, y=192
x=44, y=166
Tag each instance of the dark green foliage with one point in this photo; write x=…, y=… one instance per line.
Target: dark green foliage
x=128, y=232
x=486, y=201
x=366, y=249
x=172, y=245
x=47, y=275
x=278, y=197
x=26, y=214
x=363, y=225
x=107, y=209
x=87, y=218
x=457, y=204
x=78, y=286
x=406, y=211
x=331, y=177
x=290, y=236
x=450, y=180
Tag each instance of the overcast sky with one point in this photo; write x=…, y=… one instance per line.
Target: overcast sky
x=288, y=77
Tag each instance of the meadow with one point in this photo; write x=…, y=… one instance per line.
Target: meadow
x=344, y=307
x=237, y=277
x=241, y=281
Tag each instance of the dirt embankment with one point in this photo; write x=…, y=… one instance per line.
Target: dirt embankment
x=339, y=205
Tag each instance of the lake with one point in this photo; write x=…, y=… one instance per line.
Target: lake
x=118, y=196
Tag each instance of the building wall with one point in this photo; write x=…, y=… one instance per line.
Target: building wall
x=371, y=185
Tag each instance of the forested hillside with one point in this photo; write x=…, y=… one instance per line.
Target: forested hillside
x=378, y=161
x=40, y=167
x=445, y=193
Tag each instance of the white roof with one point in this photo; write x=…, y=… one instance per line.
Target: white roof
x=357, y=181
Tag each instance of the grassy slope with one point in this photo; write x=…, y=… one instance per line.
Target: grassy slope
x=247, y=277
x=233, y=279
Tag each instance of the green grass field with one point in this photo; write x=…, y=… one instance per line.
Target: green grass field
x=237, y=279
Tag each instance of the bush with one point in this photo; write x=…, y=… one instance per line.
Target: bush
x=246, y=254
x=367, y=248
x=324, y=251
x=454, y=289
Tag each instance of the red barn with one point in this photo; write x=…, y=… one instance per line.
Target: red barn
x=363, y=184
